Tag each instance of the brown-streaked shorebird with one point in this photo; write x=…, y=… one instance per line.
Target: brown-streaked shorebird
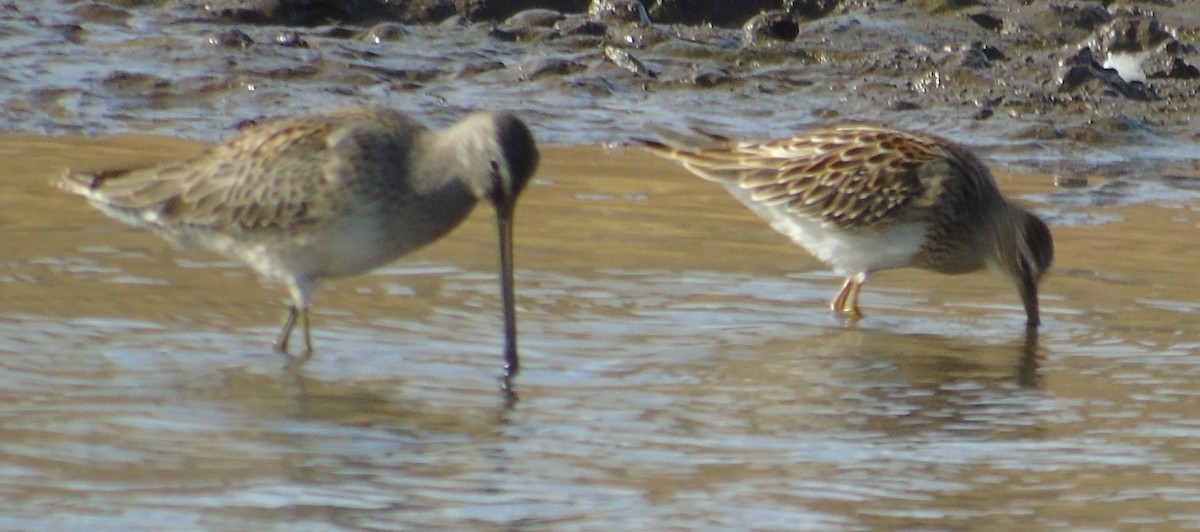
x=331, y=195
x=863, y=198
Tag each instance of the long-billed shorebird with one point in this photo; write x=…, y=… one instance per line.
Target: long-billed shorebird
x=331, y=195
x=863, y=199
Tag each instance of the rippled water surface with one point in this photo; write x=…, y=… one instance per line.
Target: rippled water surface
x=680, y=371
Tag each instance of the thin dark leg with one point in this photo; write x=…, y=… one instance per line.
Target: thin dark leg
x=308, y=348
x=281, y=344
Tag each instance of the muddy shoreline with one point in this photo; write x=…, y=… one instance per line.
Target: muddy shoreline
x=1072, y=88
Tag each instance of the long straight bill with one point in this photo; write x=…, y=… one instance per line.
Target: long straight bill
x=1029, y=297
x=504, y=223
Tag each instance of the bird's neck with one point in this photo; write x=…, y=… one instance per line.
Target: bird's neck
x=1007, y=237
x=459, y=153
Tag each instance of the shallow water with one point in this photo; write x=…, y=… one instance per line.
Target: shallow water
x=680, y=370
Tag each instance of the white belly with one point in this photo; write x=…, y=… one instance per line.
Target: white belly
x=848, y=253
x=352, y=246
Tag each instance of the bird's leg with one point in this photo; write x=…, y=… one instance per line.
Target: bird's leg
x=851, y=308
x=308, y=349
x=301, y=290
x=281, y=344
x=846, y=302
x=285, y=336
x=838, y=305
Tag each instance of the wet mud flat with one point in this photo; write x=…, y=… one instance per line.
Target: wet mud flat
x=1072, y=88
x=680, y=369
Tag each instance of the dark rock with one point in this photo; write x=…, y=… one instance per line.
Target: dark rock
x=771, y=26
x=384, y=32
x=987, y=20
x=339, y=32
x=316, y=12
x=1131, y=31
x=231, y=39
x=904, y=105
x=282, y=12
x=638, y=36
x=290, y=39
x=992, y=53
x=1082, y=73
x=541, y=13
x=581, y=26
x=618, y=11
x=238, y=15
x=811, y=9
x=721, y=13
x=1178, y=69
x=1088, y=16
x=505, y=34
x=712, y=77
x=1150, y=48
x=977, y=56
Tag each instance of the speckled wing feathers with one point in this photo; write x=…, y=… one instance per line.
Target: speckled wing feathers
x=236, y=191
x=231, y=187
x=848, y=176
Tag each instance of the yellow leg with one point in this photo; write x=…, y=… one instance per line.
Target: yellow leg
x=838, y=305
x=846, y=302
x=851, y=308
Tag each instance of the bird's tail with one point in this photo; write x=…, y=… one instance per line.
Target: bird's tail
x=86, y=183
